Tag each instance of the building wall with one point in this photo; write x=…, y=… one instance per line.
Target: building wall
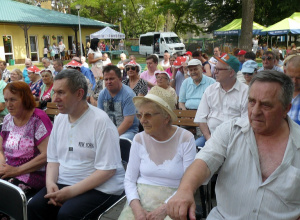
x=18, y=38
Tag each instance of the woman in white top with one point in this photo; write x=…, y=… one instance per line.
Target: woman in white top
x=158, y=158
x=95, y=58
x=165, y=62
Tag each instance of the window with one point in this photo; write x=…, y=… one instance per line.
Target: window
x=8, y=47
x=146, y=41
x=33, y=48
x=172, y=40
x=46, y=40
x=87, y=39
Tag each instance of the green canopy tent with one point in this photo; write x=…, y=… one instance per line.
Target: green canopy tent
x=234, y=28
x=290, y=25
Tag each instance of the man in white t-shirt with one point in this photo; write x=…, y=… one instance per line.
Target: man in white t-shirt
x=84, y=172
x=213, y=61
x=62, y=48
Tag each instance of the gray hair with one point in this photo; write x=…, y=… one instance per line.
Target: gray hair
x=46, y=59
x=287, y=86
x=76, y=80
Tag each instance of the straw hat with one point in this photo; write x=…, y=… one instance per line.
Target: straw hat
x=161, y=97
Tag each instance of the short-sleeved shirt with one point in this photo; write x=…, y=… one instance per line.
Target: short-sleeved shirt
x=90, y=143
x=139, y=88
x=88, y=74
x=20, y=144
x=25, y=75
x=240, y=191
x=277, y=68
x=191, y=94
x=217, y=105
x=148, y=78
x=294, y=112
x=35, y=87
x=123, y=106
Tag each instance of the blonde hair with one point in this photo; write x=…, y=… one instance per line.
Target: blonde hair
x=19, y=73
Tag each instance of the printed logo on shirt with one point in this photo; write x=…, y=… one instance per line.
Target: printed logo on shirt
x=86, y=145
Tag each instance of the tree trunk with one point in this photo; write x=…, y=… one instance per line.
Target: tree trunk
x=248, y=7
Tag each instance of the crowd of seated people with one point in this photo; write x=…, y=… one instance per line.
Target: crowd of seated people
x=127, y=100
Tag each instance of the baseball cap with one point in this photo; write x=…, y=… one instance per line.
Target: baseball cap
x=249, y=66
x=34, y=70
x=74, y=64
x=241, y=52
x=189, y=53
x=179, y=61
x=194, y=62
x=230, y=60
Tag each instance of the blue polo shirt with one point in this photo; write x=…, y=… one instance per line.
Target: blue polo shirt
x=191, y=94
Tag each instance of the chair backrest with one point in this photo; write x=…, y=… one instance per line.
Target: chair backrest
x=12, y=201
x=185, y=118
x=51, y=109
x=125, y=145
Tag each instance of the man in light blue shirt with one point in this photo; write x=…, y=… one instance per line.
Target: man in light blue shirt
x=192, y=88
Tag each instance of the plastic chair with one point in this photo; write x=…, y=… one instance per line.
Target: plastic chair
x=13, y=201
x=125, y=145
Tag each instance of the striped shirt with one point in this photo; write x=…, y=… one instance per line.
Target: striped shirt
x=294, y=112
x=240, y=191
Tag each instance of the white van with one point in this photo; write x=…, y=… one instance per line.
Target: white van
x=160, y=42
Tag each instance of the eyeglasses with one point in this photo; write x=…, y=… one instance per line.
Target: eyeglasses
x=132, y=68
x=217, y=70
x=111, y=105
x=146, y=116
x=268, y=58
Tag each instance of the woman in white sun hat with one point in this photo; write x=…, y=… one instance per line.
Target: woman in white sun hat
x=158, y=158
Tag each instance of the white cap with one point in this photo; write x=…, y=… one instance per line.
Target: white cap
x=194, y=62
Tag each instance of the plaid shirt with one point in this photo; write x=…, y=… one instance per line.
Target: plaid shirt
x=294, y=113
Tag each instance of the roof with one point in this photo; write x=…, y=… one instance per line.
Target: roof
x=20, y=13
x=108, y=33
x=234, y=28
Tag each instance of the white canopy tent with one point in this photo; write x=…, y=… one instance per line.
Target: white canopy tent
x=108, y=33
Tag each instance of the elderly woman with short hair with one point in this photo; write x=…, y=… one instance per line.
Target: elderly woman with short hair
x=137, y=84
x=158, y=159
x=163, y=81
x=16, y=75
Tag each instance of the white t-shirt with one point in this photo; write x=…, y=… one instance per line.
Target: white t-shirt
x=89, y=144
x=97, y=54
x=158, y=163
x=61, y=47
x=165, y=65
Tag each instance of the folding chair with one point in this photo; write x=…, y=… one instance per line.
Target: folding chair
x=13, y=201
x=125, y=145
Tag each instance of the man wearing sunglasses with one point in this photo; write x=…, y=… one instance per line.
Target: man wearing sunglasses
x=269, y=62
x=116, y=101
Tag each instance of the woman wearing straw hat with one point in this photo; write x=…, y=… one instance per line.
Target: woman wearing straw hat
x=158, y=159
x=137, y=84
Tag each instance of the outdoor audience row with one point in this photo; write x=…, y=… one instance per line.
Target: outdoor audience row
x=84, y=169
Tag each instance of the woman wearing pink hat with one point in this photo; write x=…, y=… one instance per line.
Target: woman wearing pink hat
x=36, y=81
x=137, y=84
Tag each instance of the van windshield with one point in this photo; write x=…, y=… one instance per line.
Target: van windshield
x=172, y=40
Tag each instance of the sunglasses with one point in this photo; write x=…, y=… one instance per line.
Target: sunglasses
x=268, y=58
x=111, y=105
x=250, y=74
x=146, y=116
x=132, y=68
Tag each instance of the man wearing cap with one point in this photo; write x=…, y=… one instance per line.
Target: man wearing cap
x=269, y=62
x=36, y=81
x=192, y=88
x=249, y=70
x=179, y=74
x=222, y=101
x=116, y=101
x=293, y=71
x=241, y=57
x=257, y=159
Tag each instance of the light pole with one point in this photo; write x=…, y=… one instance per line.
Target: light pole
x=78, y=8
x=120, y=19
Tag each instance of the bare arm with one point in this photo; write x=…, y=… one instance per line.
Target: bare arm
x=207, y=70
x=183, y=201
x=30, y=166
x=126, y=124
x=92, y=60
x=205, y=130
x=137, y=209
x=173, y=81
x=182, y=106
